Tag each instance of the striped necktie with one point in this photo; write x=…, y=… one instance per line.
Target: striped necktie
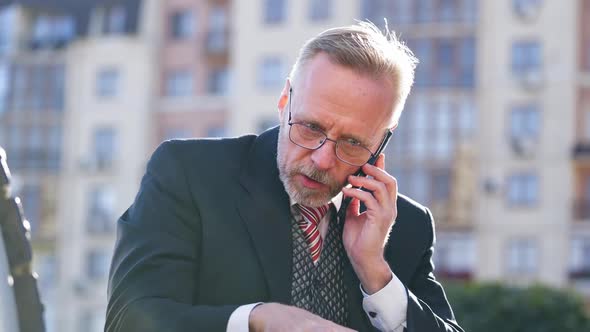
x=309, y=226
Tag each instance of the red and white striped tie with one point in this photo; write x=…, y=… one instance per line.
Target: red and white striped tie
x=309, y=225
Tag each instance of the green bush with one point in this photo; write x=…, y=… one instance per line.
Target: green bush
x=483, y=307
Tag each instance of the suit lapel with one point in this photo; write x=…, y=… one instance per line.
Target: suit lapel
x=265, y=211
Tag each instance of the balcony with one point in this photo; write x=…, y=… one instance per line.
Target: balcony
x=582, y=210
x=582, y=273
x=581, y=151
x=451, y=274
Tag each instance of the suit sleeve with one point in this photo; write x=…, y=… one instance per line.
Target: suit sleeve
x=428, y=308
x=154, y=271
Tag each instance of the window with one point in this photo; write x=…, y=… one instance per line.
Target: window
x=31, y=201
x=320, y=10
x=36, y=150
x=37, y=80
x=522, y=256
x=402, y=12
x=107, y=83
x=372, y=10
x=443, y=144
x=455, y=253
x=7, y=29
x=182, y=25
x=525, y=122
x=418, y=184
x=54, y=147
x=114, y=20
x=470, y=10
x=526, y=58
x=467, y=118
x=52, y=30
x=4, y=82
x=104, y=147
x=425, y=11
x=467, y=62
x=97, y=264
x=423, y=50
x=523, y=189
x=101, y=210
x=526, y=8
x=580, y=255
x=445, y=61
x=55, y=98
x=216, y=36
x=441, y=185
x=179, y=83
x=274, y=11
x=448, y=10
x=46, y=266
x=64, y=28
x=271, y=73
x=219, y=82
x=42, y=29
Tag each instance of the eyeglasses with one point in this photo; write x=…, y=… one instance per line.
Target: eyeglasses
x=350, y=151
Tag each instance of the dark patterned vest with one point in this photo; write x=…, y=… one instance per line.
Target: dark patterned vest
x=320, y=288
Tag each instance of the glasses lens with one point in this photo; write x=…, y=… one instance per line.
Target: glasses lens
x=353, y=154
x=305, y=136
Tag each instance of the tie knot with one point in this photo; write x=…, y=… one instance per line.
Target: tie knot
x=313, y=214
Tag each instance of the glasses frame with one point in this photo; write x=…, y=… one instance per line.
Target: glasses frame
x=371, y=159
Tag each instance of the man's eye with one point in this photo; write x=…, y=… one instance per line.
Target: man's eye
x=353, y=142
x=313, y=127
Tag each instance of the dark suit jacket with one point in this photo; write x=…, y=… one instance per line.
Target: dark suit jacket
x=210, y=230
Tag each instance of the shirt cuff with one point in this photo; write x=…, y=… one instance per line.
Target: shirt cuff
x=387, y=307
x=240, y=318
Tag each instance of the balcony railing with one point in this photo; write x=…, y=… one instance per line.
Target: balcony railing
x=582, y=209
x=581, y=150
x=580, y=273
x=449, y=274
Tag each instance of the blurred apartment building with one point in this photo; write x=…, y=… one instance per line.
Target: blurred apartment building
x=487, y=135
x=87, y=90
x=495, y=136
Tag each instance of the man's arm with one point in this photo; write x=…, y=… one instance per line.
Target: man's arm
x=428, y=307
x=154, y=272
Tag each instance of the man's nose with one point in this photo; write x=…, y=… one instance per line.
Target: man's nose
x=325, y=157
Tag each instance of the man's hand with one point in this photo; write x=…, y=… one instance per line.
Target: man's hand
x=271, y=317
x=365, y=234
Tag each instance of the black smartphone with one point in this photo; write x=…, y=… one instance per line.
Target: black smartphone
x=372, y=161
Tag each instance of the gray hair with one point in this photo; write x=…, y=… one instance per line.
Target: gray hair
x=363, y=47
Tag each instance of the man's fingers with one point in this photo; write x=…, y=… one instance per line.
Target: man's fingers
x=379, y=189
x=366, y=197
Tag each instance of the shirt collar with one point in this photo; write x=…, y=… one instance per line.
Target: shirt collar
x=336, y=200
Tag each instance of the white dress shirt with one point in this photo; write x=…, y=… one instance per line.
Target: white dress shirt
x=386, y=309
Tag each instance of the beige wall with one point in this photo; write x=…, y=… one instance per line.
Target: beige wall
x=129, y=114
x=548, y=221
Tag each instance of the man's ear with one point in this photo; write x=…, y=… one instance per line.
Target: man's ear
x=284, y=98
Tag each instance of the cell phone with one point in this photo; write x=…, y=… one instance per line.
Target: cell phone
x=372, y=161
